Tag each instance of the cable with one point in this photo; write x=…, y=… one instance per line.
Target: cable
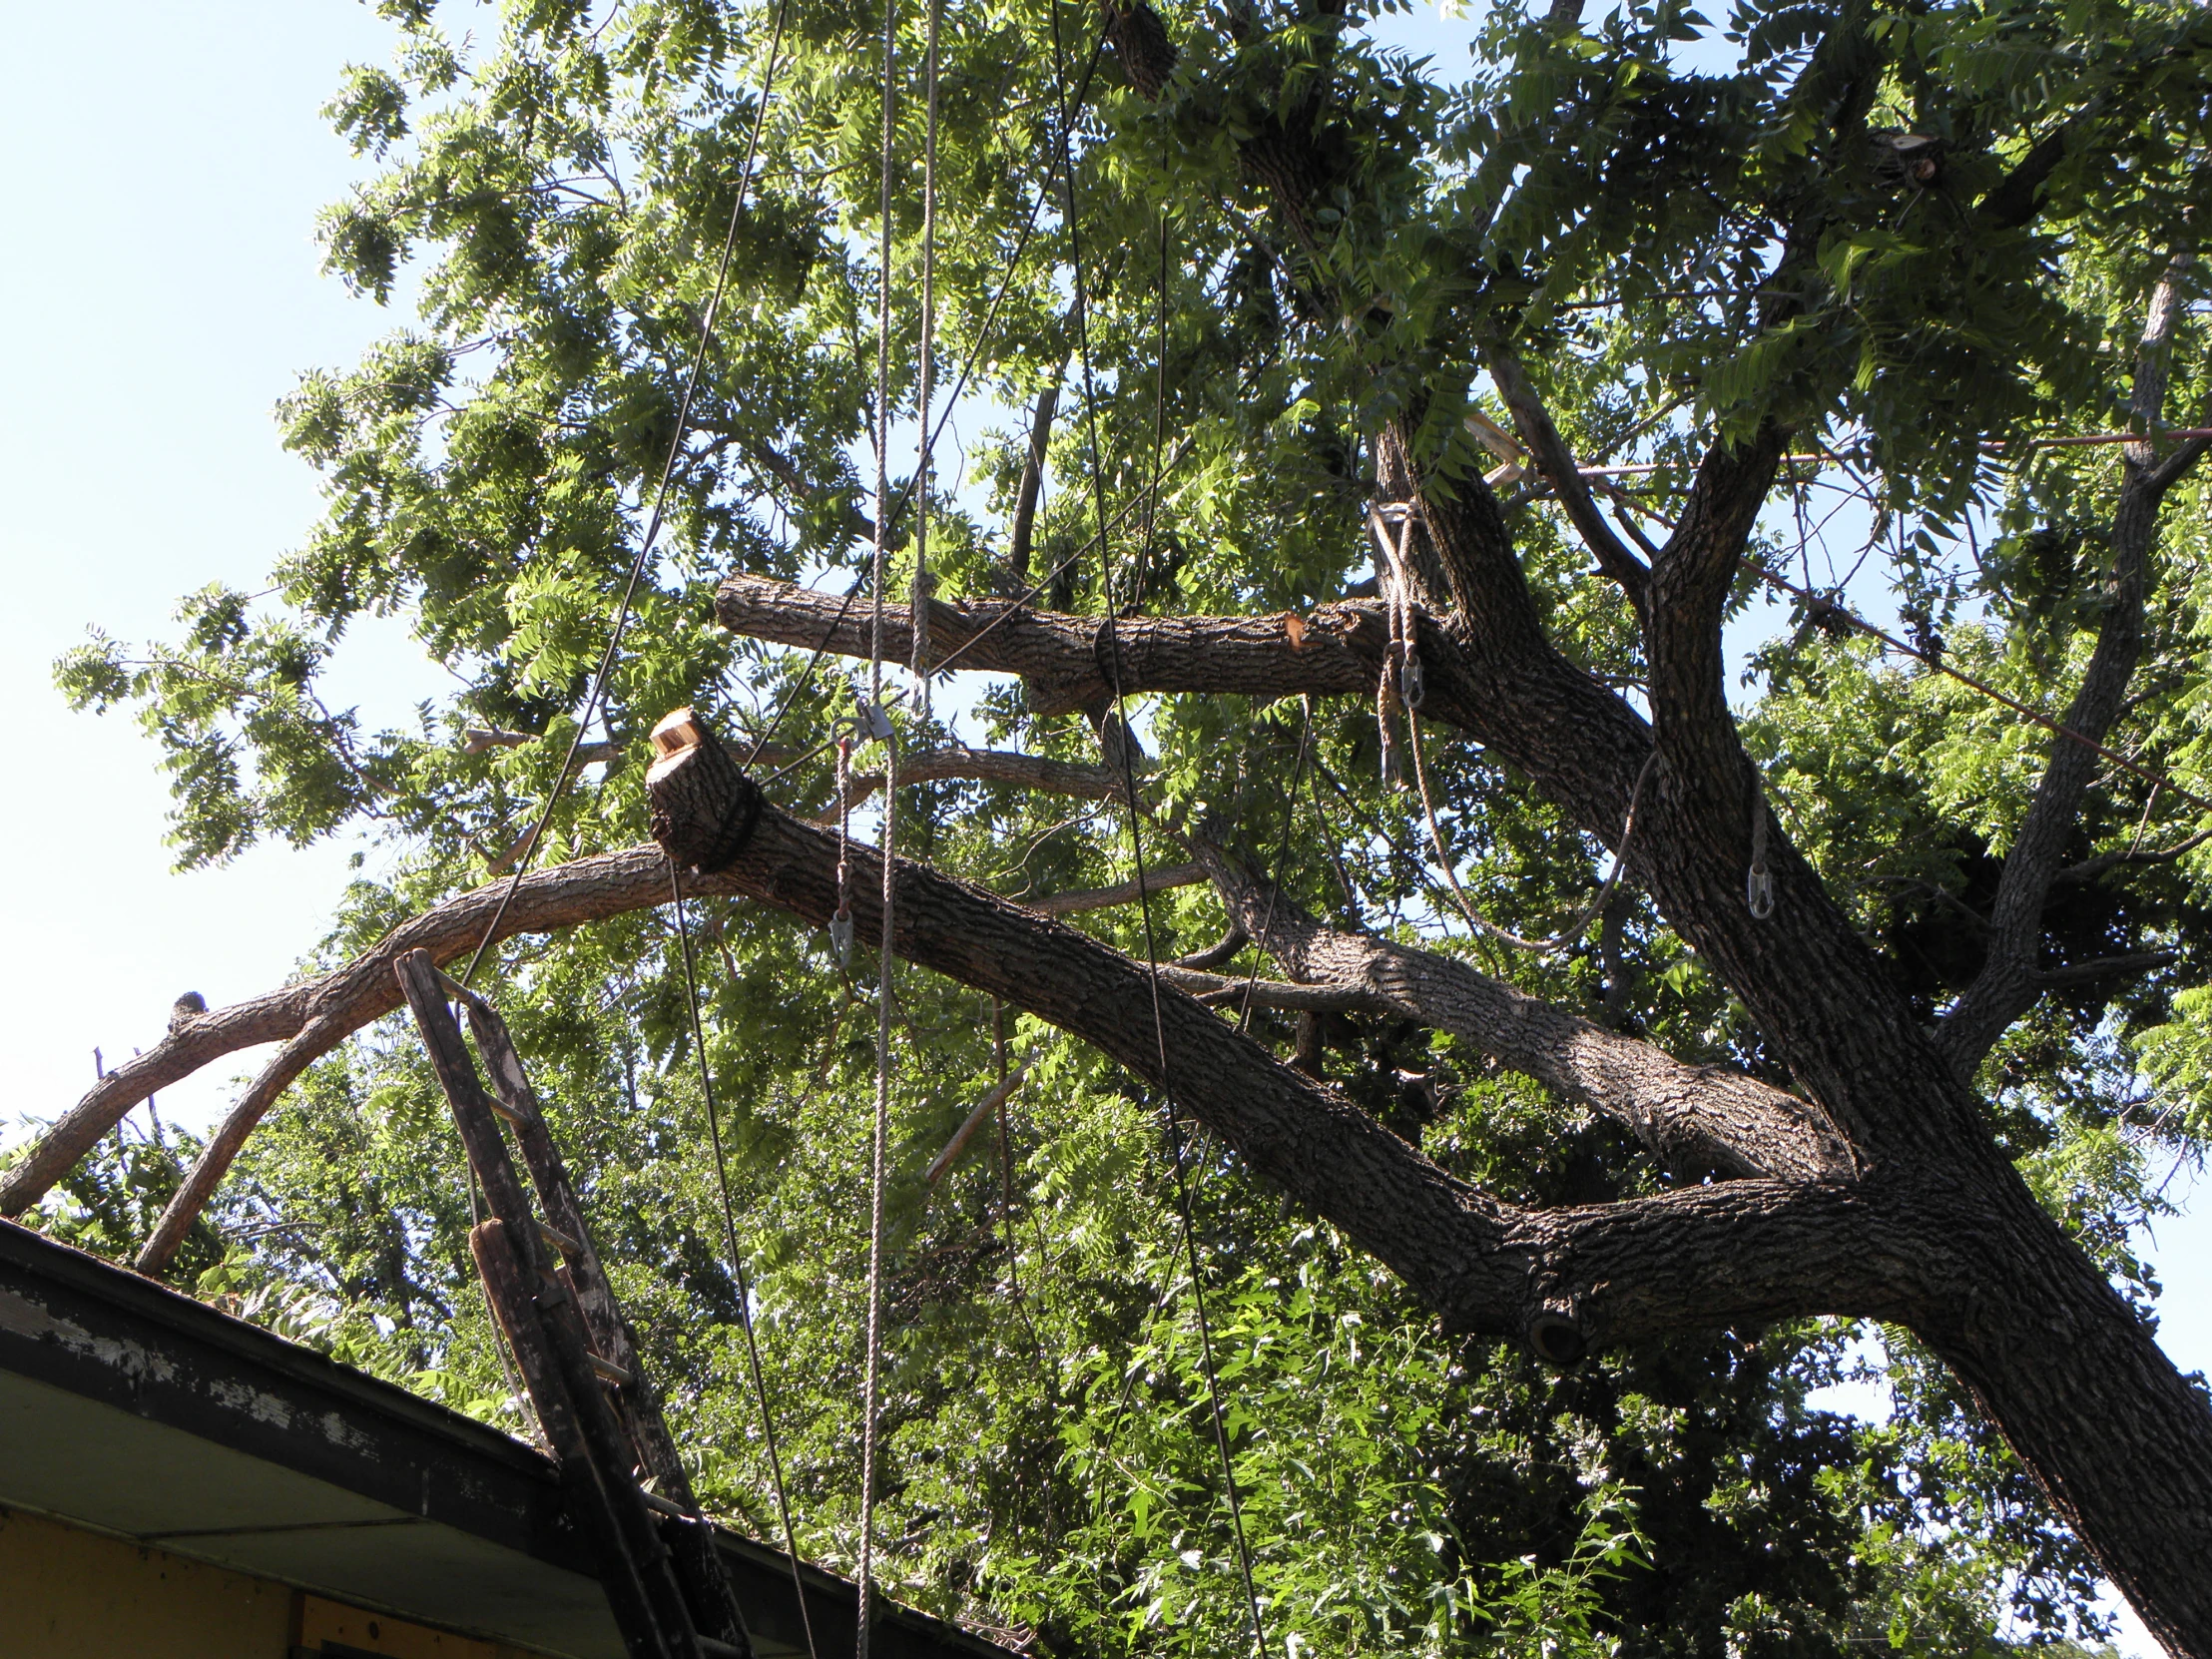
x=968, y=369
x=1572, y=930
x=870, y=1402
x=918, y=610
x=737, y=1261
x=660, y=503
x=1136, y=841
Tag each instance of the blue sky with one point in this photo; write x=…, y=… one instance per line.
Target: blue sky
x=162, y=282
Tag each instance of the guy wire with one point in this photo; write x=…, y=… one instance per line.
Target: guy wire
x=737, y=1259
x=967, y=370
x=1127, y=745
x=660, y=503
x=871, y=1402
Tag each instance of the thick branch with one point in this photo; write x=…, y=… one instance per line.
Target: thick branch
x=1064, y=657
x=1497, y=678
x=1477, y=1262
x=1692, y=1117
x=1747, y=1250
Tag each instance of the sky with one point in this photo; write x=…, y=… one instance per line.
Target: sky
x=166, y=293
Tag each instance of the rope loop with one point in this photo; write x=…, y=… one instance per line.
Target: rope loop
x=1759, y=880
x=841, y=924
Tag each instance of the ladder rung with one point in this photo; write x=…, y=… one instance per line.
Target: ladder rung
x=508, y=1112
x=608, y=1370
x=571, y=1247
x=715, y=1649
x=662, y=1507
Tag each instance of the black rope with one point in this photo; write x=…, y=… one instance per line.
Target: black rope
x=967, y=370
x=1282, y=858
x=660, y=503
x=737, y=1259
x=1136, y=844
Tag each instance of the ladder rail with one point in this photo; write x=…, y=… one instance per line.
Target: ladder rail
x=615, y=1358
x=664, y=1578
x=611, y=1334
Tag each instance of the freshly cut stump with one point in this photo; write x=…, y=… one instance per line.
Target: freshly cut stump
x=703, y=805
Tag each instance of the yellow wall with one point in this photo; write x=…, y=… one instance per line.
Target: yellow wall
x=326, y=1621
x=71, y=1595
x=66, y=1594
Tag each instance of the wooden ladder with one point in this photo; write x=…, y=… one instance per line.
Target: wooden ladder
x=602, y=1419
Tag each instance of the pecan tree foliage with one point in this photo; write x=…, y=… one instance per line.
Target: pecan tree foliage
x=1316, y=279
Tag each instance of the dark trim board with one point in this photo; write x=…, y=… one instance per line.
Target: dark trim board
x=135, y=1411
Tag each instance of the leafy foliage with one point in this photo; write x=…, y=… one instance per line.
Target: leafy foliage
x=1682, y=229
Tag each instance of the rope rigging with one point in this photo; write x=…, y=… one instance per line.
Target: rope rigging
x=736, y=1260
x=1400, y=682
x=1127, y=747
x=654, y=521
x=880, y=728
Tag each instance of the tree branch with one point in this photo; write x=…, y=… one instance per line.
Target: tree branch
x=2012, y=979
x=2090, y=868
x=1063, y=657
x=1533, y=421
x=2104, y=967
x=339, y=1002
x=2013, y=201
x=1693, y=1118
x=1121, y=893
x=1024, y=523
x=989, y=766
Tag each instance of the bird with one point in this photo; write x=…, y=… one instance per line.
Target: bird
x=185, y=1009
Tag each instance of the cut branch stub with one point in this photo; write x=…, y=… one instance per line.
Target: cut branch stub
x=704, y=806
x=1557, y=1340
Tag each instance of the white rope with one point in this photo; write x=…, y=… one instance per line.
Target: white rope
x=840, y=923
x=1572, y=931
x=1401, y=680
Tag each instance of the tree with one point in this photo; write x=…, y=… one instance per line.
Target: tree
x=1870, y=1010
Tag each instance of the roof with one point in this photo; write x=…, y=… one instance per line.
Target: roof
x=132, y=1410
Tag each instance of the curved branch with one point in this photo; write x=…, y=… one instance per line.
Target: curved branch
x=1692, y=1117
x=339, y=1002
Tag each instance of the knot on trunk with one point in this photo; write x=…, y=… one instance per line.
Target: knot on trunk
x=1557, y=1340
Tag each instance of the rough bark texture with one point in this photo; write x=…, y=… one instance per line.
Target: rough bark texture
x=1693, y=1118
x=2013, y=1307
